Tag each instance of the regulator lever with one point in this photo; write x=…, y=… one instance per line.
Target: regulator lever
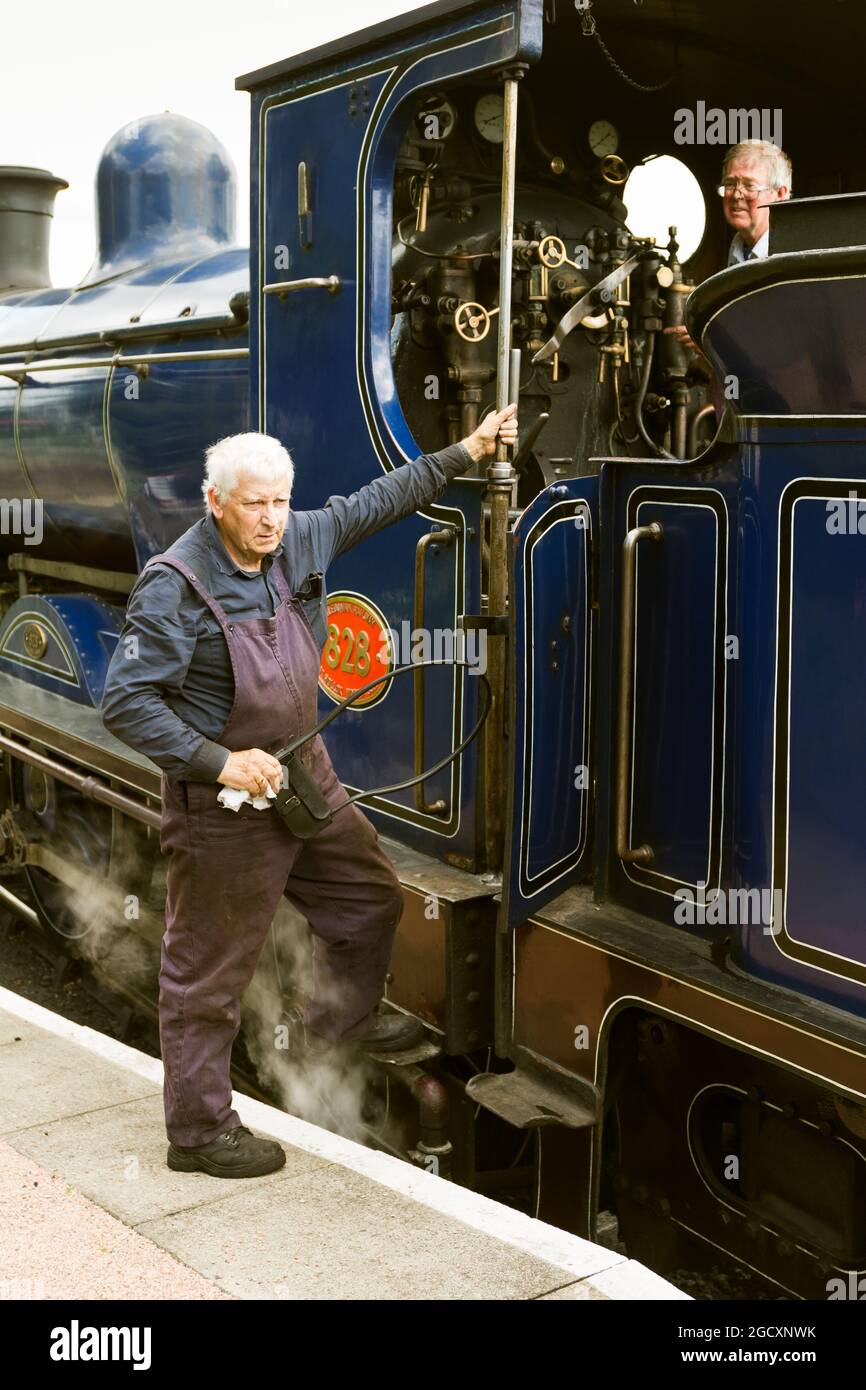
x=526, y=446
x=583, y=306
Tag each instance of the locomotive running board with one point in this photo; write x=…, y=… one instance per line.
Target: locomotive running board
x=74, y=731
x=535, y=1095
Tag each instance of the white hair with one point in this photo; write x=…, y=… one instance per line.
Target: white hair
x=777, y=164
x=257, y=455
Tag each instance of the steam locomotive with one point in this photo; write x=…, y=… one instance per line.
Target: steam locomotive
x=633, y=923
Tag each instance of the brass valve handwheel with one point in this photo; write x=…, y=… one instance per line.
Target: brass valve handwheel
x=614, y=170
x=472, y=321
x=551, y=252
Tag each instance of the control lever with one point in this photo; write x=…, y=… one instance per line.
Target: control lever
x=583, y=306
x=525, y=448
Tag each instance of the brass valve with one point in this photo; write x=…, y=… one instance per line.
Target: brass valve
x=472, y=321
x=614, y=170
x=552, y=253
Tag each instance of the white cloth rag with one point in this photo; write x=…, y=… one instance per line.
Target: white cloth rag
x=233, y=798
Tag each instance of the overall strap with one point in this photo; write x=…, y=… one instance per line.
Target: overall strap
x=282, y=584
x=184, y=569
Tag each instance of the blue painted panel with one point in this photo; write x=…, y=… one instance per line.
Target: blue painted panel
x=322, y=372
x=551, y=681
x=827, y=731
x=796, y=347
x=675, y=677
x=800, y=771
x=78, y=634
x=680, y=785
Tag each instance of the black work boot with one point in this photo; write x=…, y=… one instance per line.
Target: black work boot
x=387, y=1033
x=236, y=1154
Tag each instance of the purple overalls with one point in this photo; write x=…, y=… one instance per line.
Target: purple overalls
x=227, y=871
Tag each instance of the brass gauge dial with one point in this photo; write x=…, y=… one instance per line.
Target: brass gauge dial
x=490, y=117
x=603, y=138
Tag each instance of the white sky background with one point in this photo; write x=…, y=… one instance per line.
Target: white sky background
x=72, y=72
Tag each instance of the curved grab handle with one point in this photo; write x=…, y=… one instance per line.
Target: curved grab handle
x=653, y=532
x=331, y=283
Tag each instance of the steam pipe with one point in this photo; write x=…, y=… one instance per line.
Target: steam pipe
x=23, y=909
x=90, y=787
x=433, y=1112
x=680, y=421
x=695, y=425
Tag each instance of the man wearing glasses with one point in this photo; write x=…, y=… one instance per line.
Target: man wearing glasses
x=755, y=174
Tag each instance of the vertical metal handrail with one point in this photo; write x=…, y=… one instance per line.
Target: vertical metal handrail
x=501, y=478
x=643, y=854
x=438, y=807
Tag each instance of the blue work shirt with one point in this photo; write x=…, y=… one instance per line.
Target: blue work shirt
x=169, y=688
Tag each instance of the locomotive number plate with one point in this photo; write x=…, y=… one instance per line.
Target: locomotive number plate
x=357, y=649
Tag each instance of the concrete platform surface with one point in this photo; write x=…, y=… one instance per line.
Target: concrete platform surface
x=90, y=1210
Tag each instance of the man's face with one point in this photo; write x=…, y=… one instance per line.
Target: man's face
x=253, y=518
x=741, y=207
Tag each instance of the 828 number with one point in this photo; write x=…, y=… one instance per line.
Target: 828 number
x=355, y=658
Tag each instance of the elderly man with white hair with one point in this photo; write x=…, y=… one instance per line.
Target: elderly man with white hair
x=216, y=669
x=755, y=174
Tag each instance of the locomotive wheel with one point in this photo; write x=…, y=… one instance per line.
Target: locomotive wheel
x=77, y=830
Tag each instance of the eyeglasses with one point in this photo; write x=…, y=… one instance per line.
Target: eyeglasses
x=749, y=190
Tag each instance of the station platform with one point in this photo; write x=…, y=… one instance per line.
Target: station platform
x=90, y=1210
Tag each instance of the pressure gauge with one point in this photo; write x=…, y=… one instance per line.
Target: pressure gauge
x=490, y=117
x=603, y=139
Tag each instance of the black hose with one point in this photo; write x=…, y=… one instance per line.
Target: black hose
x=285, y=753
x=641, y=396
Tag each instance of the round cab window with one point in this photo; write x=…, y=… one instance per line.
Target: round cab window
x=664, y=193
